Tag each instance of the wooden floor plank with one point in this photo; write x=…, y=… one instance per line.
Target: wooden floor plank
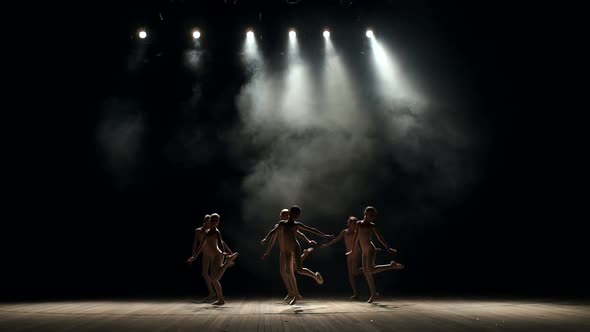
x=272, y=315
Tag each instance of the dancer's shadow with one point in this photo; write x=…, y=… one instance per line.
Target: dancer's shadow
x=296, y=310
x=217, y=308
x=299, y=309
x=391, y=306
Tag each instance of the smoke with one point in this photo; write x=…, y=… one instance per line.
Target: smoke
x=189, y=146
x=120, y=136
x=192, y=58
x=331, y=142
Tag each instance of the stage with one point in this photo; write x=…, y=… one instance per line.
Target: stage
x=334, y=314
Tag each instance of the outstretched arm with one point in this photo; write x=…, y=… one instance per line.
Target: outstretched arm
x=225, y=247
x=226, y=250
x=270, y=233
x=193, y=257
x=198, y=234
x=382, y=240
x=273, y=238
x=302, y=236
x=376, y=248
x=335, y=240
x=314, y=230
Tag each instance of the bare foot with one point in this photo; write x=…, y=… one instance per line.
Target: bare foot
x=318, y=278
x=354, y=296
x=231, y=258
x=371, y=299
x=295, y=299
x=209, y=297
x=307, y=252
x=288, y=297
x=218, y=302
x=396, y=266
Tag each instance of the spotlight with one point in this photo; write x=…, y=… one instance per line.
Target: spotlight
x=370, y=34
x=196, y=34
x=250, y=34
x=292, y=34
x=142, y=34
x=326, y=34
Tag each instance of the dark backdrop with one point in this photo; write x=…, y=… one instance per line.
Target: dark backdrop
x=78, y=228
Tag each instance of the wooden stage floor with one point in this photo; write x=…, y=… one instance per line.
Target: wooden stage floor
x=269, y=315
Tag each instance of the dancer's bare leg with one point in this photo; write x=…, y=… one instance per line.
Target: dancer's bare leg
x=216, y=264
x=205, y=273
x=368, y=272
x=353, y=271
x=375, y=264
x=306, y=253
x=229, y=259
x=305, y=271
x=385, y=267
x=291, y=276
x=218, y=268
x=285, y=276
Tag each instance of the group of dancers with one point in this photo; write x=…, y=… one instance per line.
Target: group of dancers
x=217, y=256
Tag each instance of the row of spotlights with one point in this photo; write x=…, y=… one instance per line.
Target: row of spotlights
x=250, y=34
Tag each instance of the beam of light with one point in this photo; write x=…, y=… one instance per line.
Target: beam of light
x=326, y=34
x=339, y=98
x=136, y=58
x=390, y=78
x=252, y=57
x=403, y=103
x=193, y=58
x=296, y=101
x=293, y=47
x=370, y=34
x=311, y=127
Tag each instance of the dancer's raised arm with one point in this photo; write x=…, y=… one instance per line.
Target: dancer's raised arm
x=314, y=230
x=302, y=236
x=198, y=236
x=273, y=238
x=226, y=248
x=335, y=240
x=270, y=233
x=382, y=240
x=193, y=257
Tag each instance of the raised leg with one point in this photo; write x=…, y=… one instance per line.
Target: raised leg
x=306, y=253
x=223, y=266
x=305, y=271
